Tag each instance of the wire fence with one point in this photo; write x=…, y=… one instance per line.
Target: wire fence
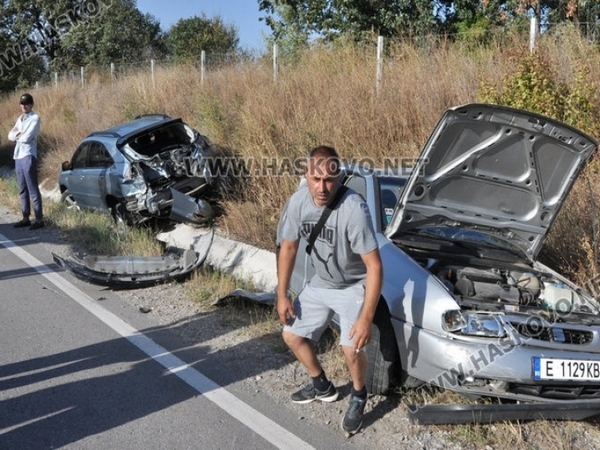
x=208, y=62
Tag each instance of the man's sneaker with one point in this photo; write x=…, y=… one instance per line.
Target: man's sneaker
x=308, y=394
x=37, y=225
x=354, y=416
x=22, y=223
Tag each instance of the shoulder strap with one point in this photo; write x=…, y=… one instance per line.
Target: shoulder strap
x=324, y=216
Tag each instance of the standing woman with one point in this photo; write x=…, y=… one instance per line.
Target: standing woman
x=25, y=134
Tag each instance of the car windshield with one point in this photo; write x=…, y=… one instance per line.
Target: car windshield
x=158, y=140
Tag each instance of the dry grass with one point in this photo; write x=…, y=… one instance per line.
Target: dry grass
x=328, y=97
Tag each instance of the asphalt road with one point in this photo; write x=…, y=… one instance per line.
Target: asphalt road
x=79, y=371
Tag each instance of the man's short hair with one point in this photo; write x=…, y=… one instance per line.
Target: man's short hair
x=323, y=152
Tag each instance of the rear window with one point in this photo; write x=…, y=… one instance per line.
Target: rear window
x=162, y=139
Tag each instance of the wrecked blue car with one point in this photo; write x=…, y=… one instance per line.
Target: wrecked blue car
x=151, y=167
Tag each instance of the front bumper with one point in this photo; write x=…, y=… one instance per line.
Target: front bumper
x=491, y=368
x=488, y=413
x=127, y=272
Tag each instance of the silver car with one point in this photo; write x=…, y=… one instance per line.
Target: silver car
x=153, y=166
x=465, y=304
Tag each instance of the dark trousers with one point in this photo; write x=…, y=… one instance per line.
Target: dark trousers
x=27, y=181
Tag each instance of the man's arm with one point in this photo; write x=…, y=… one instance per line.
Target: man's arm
x=30, y=132
x=361, y=330
x=14, y=133
x=285, y=267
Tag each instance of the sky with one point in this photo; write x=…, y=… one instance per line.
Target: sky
x=242, y=14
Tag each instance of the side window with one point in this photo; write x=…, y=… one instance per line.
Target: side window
x=388, y=203
x=390, y=190
x=99, y=156
x=358, y=184
x=80, y=157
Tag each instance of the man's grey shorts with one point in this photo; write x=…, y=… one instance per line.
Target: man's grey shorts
x=315, y=307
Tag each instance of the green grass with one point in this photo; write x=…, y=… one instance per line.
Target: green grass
x=97, y=233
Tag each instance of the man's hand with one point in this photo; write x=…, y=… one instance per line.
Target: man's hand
x=361, y=333
x=285, y=310
x=285, y=266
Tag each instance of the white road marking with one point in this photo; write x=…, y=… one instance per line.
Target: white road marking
x=260, y=424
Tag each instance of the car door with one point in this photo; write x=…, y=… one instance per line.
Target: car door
x=76, y=176
x=87, y=181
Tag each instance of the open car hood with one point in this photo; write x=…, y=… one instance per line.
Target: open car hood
x=494, y=169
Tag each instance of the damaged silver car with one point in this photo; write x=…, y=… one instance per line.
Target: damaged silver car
x=466, y=305
x=151, y=167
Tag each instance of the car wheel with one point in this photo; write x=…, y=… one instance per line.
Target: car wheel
x=120, y=214
x=69, y=200
x=384, y=360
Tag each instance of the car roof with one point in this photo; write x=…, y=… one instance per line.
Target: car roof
x=141, y=123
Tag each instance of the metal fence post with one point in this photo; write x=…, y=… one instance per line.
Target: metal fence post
x=532, y=33
x=202, y=63
x=379, y=63
x=81, y=69
x=275, y=61
x=152, y=71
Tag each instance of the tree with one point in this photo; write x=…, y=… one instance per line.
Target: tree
x=188, y=37
x=19, y=72
x=116, y=32
x=331, y=19
x=60, y=34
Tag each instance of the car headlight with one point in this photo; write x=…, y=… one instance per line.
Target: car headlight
x=473, y=324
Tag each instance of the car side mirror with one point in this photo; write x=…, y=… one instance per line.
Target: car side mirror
x=66, y=165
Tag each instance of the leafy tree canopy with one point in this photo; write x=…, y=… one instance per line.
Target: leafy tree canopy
x=62, y=34
x=188, y=37
x=331, y=19
x=296, y=21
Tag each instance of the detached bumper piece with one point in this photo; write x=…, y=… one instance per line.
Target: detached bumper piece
x=488, y=413
x=127, y=272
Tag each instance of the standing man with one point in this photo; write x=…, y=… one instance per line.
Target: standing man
x=347, y=281
x=25, y=134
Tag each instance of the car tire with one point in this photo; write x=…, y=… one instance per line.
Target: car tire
x=69, y=200
x=120, y=214
x=384, y=367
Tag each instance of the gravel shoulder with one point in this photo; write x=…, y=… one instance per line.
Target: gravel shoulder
x=275, y=373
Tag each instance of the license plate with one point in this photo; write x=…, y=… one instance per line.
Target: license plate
x=566, y=369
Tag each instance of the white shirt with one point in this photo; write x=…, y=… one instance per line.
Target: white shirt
x=25, y=133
